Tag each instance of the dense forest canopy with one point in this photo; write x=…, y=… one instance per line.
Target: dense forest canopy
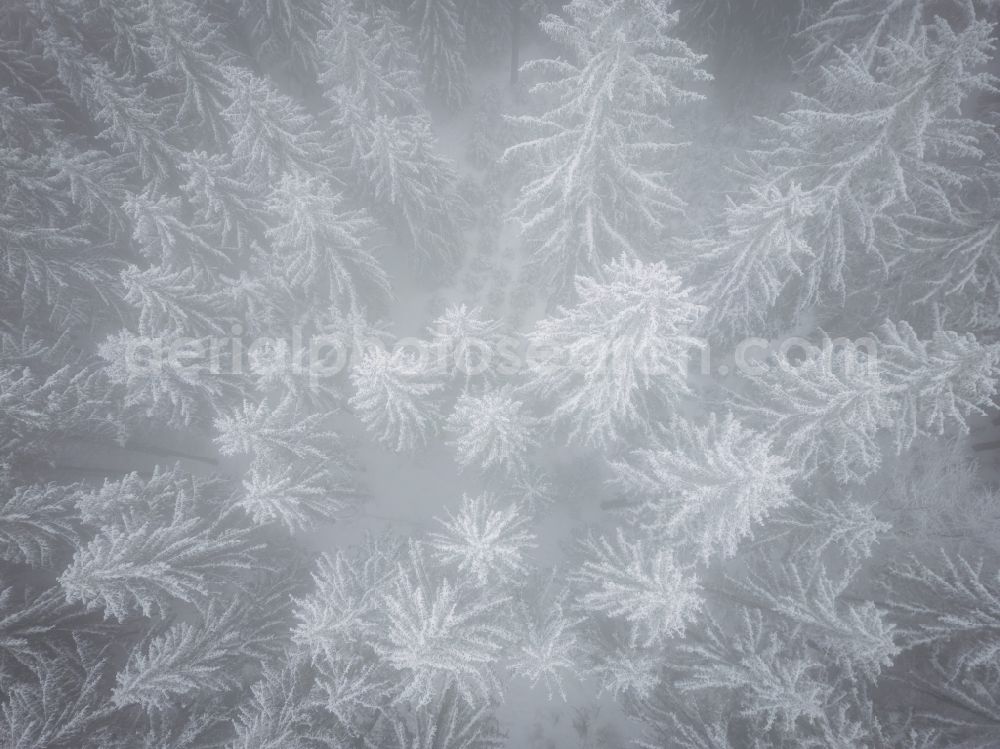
x=459, y=374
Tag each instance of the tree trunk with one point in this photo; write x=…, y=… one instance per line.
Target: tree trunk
x=515, y=40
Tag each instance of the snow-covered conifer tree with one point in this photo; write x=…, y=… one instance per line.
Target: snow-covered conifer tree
x=321, y=248
x=95, y=181
x=371, y=57
x=619, y=351
x=438, y=632
x=947, y=608
x=158, y=380
x=275, y=427
x=827, y=409
x=548, y=647
x=955, y=272
x=280, y=710
x=272, y=134
x=340, y=611
x=533, y=488
x=948, y=600
x=132, y=119
x=163, y=235
x=597, y=160
x=849, y=527
x=639, y=584
x=396, y=396
x=774, y=685
x=197, y=658
x=36, y=623
x=222, y=199
x=492, y=432
x=42, y=405
x=749, y=266
x=63, y=703
x=440, y=43
x=489, y=542
x=149, y=496
x=879, y=142
x=178, y=301
x=298, y=495
x=831, y=406
x=625, y=668
x=451, y=720
x=414, y=188
x=708, y=486
x=37, y=524
x=804, y=594
x=143, y=564
x=284, y=31
x=186, y=659
x=125, y=47
x=355, y=689
x=185, y=48
x=847, y=23
x=468, y=343
x=941, y=382
x=51, y=266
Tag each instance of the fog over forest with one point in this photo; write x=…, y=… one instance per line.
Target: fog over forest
x=499, y=374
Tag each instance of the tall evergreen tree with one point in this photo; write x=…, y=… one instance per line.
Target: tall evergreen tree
x=440, y=43
x=597, y=159
x=620, y=350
